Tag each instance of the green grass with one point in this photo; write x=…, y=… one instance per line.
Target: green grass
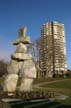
x=37, y=81
x=65, y=102
x=61, y=84
x=63, y=87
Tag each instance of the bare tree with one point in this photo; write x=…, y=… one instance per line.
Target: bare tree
x=3, y=68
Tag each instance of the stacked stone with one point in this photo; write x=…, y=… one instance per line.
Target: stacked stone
x=21, y=64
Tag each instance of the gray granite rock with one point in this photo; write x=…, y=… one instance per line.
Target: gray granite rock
x=28, y=69
x=21, y=48
x=22, y=37
x=10, y=83
x=21, y=56
x=26, y=84
x=13, y=67
x=21, y=64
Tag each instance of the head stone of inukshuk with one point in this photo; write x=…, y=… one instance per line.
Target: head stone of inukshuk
x=21, y=64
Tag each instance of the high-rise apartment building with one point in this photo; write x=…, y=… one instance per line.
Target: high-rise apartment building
x=52, y=50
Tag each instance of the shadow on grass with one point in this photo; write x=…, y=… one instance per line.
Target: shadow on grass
x=40, y=105
x=52, y=105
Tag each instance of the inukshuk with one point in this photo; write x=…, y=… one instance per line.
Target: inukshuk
x=21, y=64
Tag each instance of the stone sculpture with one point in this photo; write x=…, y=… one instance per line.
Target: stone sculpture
x=21, y=63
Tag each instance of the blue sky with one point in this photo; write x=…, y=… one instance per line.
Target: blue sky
x=33, y=14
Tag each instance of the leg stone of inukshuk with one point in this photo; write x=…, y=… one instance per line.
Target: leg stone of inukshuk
x=12, y=77
x=28, y=73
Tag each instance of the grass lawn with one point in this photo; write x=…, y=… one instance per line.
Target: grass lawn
x=57, y=85
x=63, y=87
x=37, y=81
x=65, y=102
x=61, y=84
